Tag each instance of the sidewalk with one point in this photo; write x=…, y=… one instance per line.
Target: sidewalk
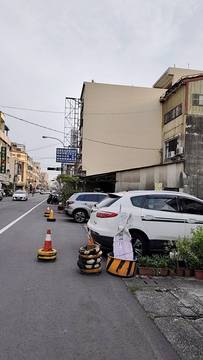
x=176, y=307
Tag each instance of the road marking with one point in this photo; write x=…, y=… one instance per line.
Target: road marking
x=19, y=218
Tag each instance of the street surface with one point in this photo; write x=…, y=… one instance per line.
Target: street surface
x=50, y=311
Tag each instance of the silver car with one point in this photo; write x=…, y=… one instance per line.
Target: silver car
x=79, y=205
x=20, y=195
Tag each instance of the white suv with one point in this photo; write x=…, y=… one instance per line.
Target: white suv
x=79, y=205
x=155, y=217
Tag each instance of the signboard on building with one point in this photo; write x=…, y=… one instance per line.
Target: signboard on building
x=158, y=186
x=66, y=155
x=3, y=160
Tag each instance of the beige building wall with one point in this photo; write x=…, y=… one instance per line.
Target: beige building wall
x=127, y=116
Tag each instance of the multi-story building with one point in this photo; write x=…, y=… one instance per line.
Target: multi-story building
x=19, y=166
x=182, y=130
x=5, y=146
x=36, y=174
x=29, y=172
x=44, y=181
x=144, y=138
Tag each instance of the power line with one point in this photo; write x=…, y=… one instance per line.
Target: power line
x=42, y=147
x=30, y=109
x=85, y=113
x=46, y=158
x=122, y=146
x=32, y=123
x=84, y=138
x=119, y=113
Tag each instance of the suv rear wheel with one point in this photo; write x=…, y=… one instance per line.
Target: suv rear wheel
x=139, y=243
x=80, y=216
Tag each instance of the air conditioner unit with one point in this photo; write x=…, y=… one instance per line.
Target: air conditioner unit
x=179, y=150
x=172, y=153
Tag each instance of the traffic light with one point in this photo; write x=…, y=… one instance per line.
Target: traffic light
x=54, y=168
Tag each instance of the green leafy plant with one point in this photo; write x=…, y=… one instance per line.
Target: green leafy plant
x=155, y=261
x=197, y=246
x=190, y=250
x=172, y=263
x=68, y=185
x=146, y=261
x=161, y=261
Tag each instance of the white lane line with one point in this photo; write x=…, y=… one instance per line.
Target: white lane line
x=19, y=218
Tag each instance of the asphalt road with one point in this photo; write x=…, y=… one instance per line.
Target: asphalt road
x=50, y=311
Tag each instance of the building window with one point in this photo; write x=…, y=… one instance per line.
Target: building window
x=173, y=113
x=197, y=99
x=171, y=148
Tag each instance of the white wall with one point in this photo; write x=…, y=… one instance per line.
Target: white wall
x=123, y=115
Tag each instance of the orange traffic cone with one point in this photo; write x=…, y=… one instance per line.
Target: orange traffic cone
x=47, y=212
x=51, y=216
x=47, y=241
x=90, y=242
x=47, y=252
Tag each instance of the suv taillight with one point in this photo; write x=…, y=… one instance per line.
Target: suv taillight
x=106, y=214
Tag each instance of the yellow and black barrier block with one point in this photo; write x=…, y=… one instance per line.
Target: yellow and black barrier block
x=119, y=267
x=46, y=255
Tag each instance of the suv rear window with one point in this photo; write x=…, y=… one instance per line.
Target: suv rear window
x=138, y=201
x=108, y=201
x=100, y=197
x=90, y=197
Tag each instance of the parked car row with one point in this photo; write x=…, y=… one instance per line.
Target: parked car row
x=153, y=217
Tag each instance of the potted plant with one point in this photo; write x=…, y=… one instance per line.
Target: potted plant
x=197, y=252
x=184, y=251
x=161, y=263
x=191, y=251
x=146, y=266
x=172, y=263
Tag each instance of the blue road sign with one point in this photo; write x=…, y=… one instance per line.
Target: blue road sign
x=66, y=155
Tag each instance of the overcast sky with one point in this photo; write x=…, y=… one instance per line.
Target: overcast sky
x=49, y=47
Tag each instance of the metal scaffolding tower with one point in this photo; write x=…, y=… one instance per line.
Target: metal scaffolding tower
x=72, y=122
x=72, y=128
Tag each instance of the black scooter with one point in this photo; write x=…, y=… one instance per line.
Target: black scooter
x=53, y=199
